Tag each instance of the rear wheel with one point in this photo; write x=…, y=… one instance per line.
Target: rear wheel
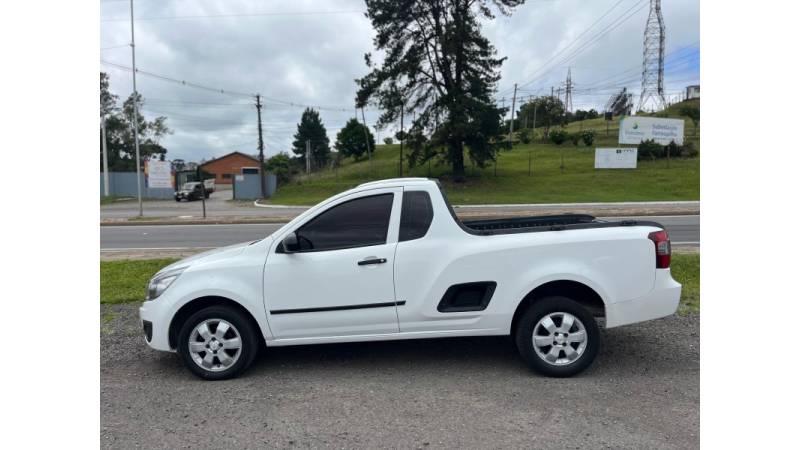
x=217, y=342
x=558, y=337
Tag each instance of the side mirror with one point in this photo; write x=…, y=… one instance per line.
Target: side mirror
x=290, y=243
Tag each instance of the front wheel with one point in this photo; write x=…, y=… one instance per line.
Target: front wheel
x=558, y=337
x=218, y=342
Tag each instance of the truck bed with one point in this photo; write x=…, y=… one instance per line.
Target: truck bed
x=545, y=223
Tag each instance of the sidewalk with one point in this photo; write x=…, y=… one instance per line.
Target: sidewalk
x=282, y=214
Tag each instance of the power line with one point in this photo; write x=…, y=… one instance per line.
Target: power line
x=217, y=16
x=177, y=81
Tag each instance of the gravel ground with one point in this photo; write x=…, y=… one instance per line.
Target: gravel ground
x=642, y=392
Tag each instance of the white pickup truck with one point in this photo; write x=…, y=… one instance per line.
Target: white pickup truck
x=390, y=260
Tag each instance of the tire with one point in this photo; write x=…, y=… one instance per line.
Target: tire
x=178, y=200
x=556, y=359
x=218, y=367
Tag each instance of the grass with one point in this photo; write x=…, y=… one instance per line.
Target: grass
x=126, y=281
x=686, y=270
x=579, y=182
x=113, y=199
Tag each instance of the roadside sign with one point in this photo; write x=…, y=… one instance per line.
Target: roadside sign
x=615, y=158
x=635, y=129
x=159, y=174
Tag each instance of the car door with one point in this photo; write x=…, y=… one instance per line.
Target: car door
x=340, y=281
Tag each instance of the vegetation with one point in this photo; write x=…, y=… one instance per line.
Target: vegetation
x=685, y=269
x=350, y=141
x=558, y=136
x=126, y=281
x=588, y=137
x=282, y=166
x=439, y=64
x=119, y=131
x=691, y=109
x=312, y=131
x=543, y=113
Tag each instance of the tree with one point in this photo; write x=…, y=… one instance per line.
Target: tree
x=549, y=112
x=692, y=111
x=281, y=166
x=311, y=129
x=439, y=64
x=388, y=140
x=558, y=136
x=588, y=137
x=119, y=131
x=350, y=140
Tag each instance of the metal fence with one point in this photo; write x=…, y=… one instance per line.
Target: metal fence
x=123, y=184
x=248, y=186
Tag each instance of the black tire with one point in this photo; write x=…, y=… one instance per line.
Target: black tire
x=178, y=200
x=549, y=305
x=250, y=341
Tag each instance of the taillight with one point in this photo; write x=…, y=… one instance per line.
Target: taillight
x=663, y=249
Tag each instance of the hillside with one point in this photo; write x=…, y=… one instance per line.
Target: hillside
x=579, y=182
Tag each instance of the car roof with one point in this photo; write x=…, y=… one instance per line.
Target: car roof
x=395, y=182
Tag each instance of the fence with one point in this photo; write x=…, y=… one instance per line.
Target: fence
x=248, y=186
x=123, y=184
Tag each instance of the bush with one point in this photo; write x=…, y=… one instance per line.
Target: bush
x=575, y=138
x=281, y=166
x=673, y=150
x=689, y=150
x=649, y=149
x=558, y=137
x=588, y=137
x=525, y=136
x=388, y=141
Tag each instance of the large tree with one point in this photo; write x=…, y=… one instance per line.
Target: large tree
x=439, y=64
x=119, y=131
x=312, y=129
x=351, y=141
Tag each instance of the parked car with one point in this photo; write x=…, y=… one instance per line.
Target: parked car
x=390, y=260
x=194, y=190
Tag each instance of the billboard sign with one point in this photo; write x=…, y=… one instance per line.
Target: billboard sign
x=615, y=158
x=635, y=129
x=159, y=174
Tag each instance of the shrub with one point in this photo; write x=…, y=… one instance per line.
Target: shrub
x=525, y=136
x=575, y=138
x=649, y=149
x=673, y=150
x=588, y=137
x=558, y=136
x=689, y=150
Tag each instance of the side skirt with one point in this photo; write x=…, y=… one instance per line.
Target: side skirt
x=386, y=337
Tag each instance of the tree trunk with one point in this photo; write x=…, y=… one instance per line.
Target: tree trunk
x=457, y=156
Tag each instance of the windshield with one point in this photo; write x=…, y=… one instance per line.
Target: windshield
x=189, y=186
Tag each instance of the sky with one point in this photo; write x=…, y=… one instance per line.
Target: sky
x=308, y=53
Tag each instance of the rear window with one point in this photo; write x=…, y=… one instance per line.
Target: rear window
x=416, y=216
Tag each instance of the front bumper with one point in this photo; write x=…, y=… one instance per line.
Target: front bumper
x=154, y=313
x=662, y=301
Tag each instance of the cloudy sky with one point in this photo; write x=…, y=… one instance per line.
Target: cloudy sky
x=308, y=52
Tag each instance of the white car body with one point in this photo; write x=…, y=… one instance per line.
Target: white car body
x=326, y=297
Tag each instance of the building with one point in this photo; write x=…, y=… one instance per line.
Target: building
x=226, y=167
x=692, y=91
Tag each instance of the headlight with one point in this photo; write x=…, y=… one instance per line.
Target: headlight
x=159, y=283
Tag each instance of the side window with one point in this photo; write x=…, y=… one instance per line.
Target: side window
x=416, y=216
x=357, y=223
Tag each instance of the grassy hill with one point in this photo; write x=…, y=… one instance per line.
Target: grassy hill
x=579, y=182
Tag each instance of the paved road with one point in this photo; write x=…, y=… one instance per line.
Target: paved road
x=683, y=230
x=643, y=391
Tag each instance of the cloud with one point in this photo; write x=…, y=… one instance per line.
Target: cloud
x=312, y=59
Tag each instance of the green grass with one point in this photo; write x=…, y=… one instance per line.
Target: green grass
x=126, y=281
x=685, y=269
x=579, y=182
x=113, y=199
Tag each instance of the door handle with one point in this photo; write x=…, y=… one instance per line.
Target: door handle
x=371, y=260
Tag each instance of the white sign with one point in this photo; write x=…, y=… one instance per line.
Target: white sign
x=615, y=158
x=159, y=174
x=635, y=129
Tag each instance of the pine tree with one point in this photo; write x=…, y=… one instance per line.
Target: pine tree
x=311, y=129
x=439, y=64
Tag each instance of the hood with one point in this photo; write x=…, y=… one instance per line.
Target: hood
x=208, y=256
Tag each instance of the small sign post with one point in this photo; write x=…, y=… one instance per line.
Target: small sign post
x=615, y=158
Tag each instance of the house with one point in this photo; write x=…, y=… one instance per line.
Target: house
x=693, y=91
x=226, y=167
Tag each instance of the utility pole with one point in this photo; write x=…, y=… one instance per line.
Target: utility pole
x=366, y=139
x=136, y=118
x=105, y=158
x=513, y=105
x=568, y=95
x=653, y=60
x=308, y=156
x=261, y=150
